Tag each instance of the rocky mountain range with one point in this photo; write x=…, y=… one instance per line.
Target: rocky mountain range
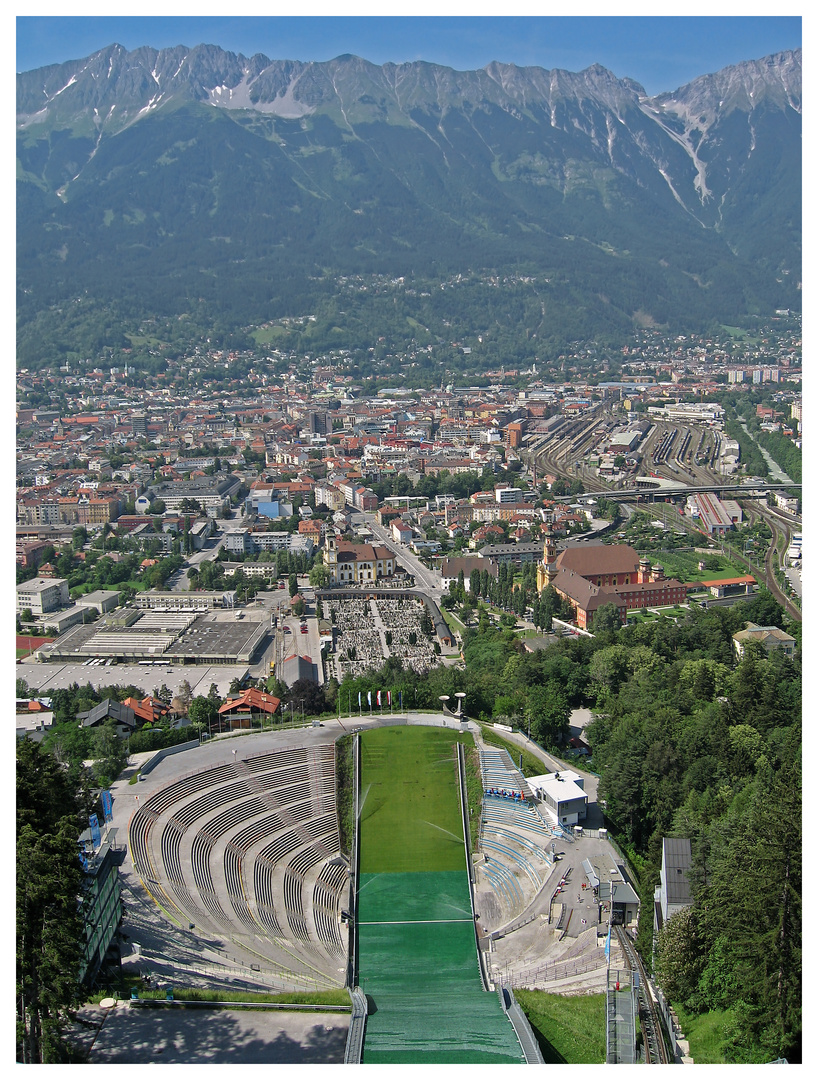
x=250, y=184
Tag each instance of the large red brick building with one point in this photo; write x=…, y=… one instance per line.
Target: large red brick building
x=590, y=576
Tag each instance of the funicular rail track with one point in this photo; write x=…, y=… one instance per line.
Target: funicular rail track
x=655, y=1047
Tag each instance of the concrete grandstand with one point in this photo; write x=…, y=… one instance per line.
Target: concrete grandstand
x=235, y=877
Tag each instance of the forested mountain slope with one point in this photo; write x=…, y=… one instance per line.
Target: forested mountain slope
x=180, y=179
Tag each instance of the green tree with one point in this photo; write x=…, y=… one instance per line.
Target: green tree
x=110, y=753
x=547, y=712
x=609, y=668
x=607, y=618
x=751, y=910
x=49, y=926
x=680, y=956
x=184, y=693
x=319, y=576
x=202, y=713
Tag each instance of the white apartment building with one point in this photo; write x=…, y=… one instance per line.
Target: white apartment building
x=41, y=595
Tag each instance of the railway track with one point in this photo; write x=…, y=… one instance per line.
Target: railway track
x=681, y=453
x=781, y=533
x=652, y=1032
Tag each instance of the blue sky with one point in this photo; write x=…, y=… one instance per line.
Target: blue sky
x=661, y=53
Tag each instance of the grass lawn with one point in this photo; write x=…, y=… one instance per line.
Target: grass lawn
x=705, y=1034
x=191, y=993
x=452, y=620
x=267, y=334
x=408, y=782
x=570, y=1030
x=684, y=565
x=741, y=335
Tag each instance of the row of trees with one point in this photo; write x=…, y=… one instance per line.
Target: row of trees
x=688, y=744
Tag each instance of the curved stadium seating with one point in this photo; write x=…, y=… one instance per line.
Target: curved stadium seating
x=250, y=850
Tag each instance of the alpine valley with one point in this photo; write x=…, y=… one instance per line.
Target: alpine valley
x=197, y=182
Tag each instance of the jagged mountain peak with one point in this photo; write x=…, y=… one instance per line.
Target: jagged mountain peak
x=774, y=80
x=121, y=85
x=199, y=149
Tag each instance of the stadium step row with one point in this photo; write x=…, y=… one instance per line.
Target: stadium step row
x=260, y=839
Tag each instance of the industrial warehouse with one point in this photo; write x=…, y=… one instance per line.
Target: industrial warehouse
x=130, y=635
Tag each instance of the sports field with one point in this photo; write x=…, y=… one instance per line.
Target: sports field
x=417, y=955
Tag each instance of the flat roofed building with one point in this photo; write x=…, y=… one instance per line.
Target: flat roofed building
x=623, y=900
x=673, y=893
x=516, y=554
x=41, y=595
x=210, y=493
x=171, y=601
x=100, y=903
x=713, y=515
x=563, y=794
x=101, y=599
x=60, y=621
x=238, y=541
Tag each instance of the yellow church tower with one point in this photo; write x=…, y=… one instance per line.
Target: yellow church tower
x=547, y=569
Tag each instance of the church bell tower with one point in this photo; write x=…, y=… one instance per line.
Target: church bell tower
x=547, y=569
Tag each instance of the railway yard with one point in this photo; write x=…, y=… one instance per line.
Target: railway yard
x=656, y=458
x=686, y=452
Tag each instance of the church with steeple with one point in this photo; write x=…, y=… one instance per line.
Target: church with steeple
x=589, y=576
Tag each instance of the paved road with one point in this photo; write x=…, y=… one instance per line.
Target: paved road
x=180, y=581
x=426, y=580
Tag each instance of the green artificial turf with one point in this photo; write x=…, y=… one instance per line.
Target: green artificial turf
x=418, y=960
x=437, y=896
x=410, y=805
